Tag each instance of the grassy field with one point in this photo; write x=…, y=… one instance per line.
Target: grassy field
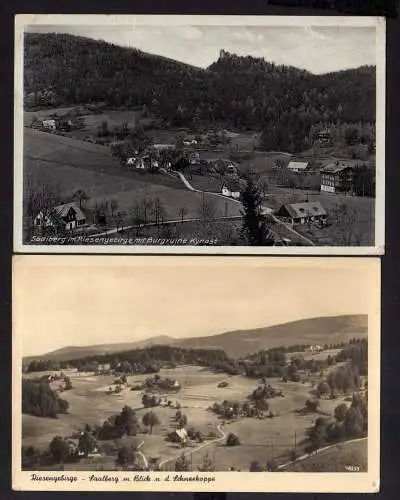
x=262, y=439
x=336, y=459
x=74, y=165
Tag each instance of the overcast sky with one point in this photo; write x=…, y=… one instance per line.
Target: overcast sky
x=317, y=49
x=77, y=300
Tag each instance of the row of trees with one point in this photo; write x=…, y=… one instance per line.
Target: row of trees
x=349, y=423
x=40, y=400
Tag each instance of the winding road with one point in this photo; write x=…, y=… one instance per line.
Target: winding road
x=145, y=461
x=267, y=210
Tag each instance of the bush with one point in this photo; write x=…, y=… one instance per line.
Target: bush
x=232, y=440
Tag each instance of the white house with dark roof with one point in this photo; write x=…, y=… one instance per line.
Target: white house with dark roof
x=231, y=188
x=298, y=166
x=49, y=124
x=68, y=215
x=302, y=213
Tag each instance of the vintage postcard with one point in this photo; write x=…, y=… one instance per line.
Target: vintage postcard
x=180, y=374
x=199, y=134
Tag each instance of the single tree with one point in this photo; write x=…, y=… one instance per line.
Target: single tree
x=340, y=412
x=87, y=443
x=255, y=225
x=113, y=206
x=182, y=211
x=126, y=455
x=80, y=196
x=59, y=449
x=182, y=464
x=150, y=419
x=232, y=440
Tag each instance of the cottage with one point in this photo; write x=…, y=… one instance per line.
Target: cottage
x=231, y=188
x=68, y=215
x=181, y=435
x=131, y=161
x=189, y=140
x=337, y=177
x=49, y=124
x=231, y=169
x=298, y=167
x=302, y=213
x=103, y=368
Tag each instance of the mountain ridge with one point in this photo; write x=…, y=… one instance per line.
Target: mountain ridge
x=239, y=92
x=236, y=343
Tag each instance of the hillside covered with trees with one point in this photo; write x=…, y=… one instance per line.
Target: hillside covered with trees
x=286, y=104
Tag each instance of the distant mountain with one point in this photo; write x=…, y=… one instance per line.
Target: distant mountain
x=323, y=330
x=237, y=92
x=238, y=343
x=78, y=352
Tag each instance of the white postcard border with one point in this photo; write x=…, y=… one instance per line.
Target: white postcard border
x=224, y=481
x=22, y=20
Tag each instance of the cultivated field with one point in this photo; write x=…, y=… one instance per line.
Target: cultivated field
x=262, y=439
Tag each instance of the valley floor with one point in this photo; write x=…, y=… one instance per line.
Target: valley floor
x=262, y=440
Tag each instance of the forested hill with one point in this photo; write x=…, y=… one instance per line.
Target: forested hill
x=240, y=92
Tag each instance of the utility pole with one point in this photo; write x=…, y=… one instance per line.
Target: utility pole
x=295, y=440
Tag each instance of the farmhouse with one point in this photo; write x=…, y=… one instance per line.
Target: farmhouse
x=315, y=348
x=231, y=169
x=337, y=178
x=189, y=140
x=298, y=166
x=68, y=215
x=49, y=124
x=103, y=368
x=302, y=213
x=231, y=188
x=180, y=436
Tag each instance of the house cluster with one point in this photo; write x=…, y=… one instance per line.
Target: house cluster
x=67, y=216
x=315, y=348
x=302, y=213
x=61, y=123
x=75, y=451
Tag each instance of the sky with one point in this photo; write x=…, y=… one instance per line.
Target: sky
x=78, y=300
x=318, y=49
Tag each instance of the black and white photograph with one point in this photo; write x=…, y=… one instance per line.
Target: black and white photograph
x=195, y=370
x=199, y=134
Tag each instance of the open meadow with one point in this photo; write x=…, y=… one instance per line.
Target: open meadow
x=74, y=165
x=262, y=439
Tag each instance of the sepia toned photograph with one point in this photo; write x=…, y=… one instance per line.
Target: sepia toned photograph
x=174, y=373
x=199, y=134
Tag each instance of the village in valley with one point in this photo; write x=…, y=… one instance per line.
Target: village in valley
x=291, y=407
x=100, y=171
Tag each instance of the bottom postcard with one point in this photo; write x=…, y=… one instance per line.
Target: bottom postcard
x=190, y=373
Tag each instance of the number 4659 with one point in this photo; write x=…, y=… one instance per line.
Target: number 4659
x=352, y=468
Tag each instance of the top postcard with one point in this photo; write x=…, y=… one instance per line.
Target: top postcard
x=199, y=134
